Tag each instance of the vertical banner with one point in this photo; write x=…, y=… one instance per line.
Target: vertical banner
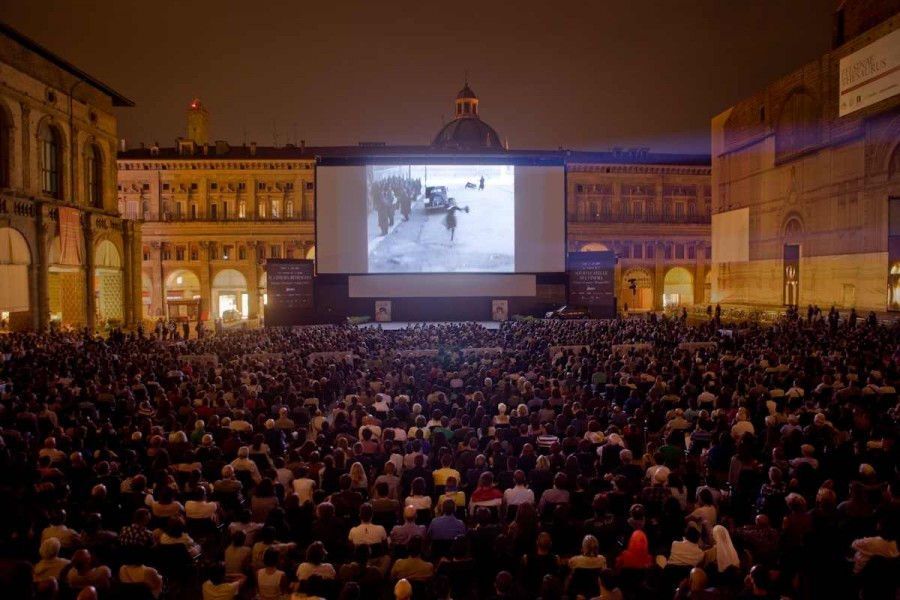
x=383, y=311
x=791, y=274
x=592, y=282
x=71, y=251
x=289, y=289
x=894, y=254
x=499, y=310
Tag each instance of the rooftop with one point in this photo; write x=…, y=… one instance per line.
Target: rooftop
x=28, y=43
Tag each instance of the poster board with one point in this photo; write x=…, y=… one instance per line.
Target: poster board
x=592, y=282
x=290, y=293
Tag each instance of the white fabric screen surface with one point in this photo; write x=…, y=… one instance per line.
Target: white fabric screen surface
x=434, y=285
x=731, y=236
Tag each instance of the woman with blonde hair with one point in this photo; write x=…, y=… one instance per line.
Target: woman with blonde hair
x=358, y=479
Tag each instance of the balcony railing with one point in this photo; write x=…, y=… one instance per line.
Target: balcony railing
x=620, y=218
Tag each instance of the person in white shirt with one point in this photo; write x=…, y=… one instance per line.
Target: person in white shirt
x=243, y=463
x=687, y=552
x=367, y=533
x=201, y=508
x=519, y=493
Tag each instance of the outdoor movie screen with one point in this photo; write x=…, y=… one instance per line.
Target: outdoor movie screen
x=411, y=218
x=440, y=218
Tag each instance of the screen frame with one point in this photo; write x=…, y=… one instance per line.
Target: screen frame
x=521, y=159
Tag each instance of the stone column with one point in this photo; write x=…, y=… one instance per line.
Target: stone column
x=253, y=284
x=699, y=273
x=137, y=278
x=42, y=226
x=658, y=275
x=127, y=276
x=89, y=289
x=159, y=288
x=205, y=282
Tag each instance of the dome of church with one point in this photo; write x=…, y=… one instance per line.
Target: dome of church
x=467, y=134
x=467, y=131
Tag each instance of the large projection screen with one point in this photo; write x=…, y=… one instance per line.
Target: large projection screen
x=453, y=219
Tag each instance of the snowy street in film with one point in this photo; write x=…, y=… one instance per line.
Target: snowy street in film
x=483, y=239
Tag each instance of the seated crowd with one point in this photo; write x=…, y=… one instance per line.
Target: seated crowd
x=631, y=458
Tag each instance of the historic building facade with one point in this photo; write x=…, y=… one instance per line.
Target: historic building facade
x=804, y=182
x=653, y=211
x=211, y=215
x=65, y=254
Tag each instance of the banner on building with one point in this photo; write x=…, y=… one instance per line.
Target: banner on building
x=870, y=75
x=71, y=251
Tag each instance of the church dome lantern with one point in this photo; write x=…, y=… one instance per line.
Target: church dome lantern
x=467, y=131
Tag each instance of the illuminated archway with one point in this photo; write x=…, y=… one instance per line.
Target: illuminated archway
x=15, y=259
x=230, y=296
x=678, y=288
x=637, y=289
x=594, y=247
x=108, y=282
x=311, y=253
x=146, y=294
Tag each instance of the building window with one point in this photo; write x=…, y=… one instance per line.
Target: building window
x=5, y=149
x=179, y=210
x=179, y=253
x=679, y=251
x=242, y=209
x=194, y=212
x=275, y=209
x=213, y=211
x=195, y=253
x=213, y=251
x=166, y=252
x=261, y=208
x=625, y=252
x=679, y=210
x=225, y=210
x=310, y=186
x=94, y=166
x=261, y=186
x=638, y=251
x=668, y=253
x=146, y=253
x=708, y=251
x=213, y=185
x=289, y=186
x=289, y=209
x=51, y=161
x=194, y=186
x=242, y=253
x=638, y=209
x=227, y=252
x=275, y=251
x=692, y=252
x=165, y=187
x=241, y=186
x=606, y=205
x=651, y=250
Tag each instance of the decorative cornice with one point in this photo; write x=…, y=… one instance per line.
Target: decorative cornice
x=638, y=169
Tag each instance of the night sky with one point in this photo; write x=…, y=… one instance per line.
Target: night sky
x=582, y=75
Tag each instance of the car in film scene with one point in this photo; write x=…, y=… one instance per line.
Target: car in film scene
x=441, y=218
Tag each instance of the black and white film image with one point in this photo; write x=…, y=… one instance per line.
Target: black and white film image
x=441, y=218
